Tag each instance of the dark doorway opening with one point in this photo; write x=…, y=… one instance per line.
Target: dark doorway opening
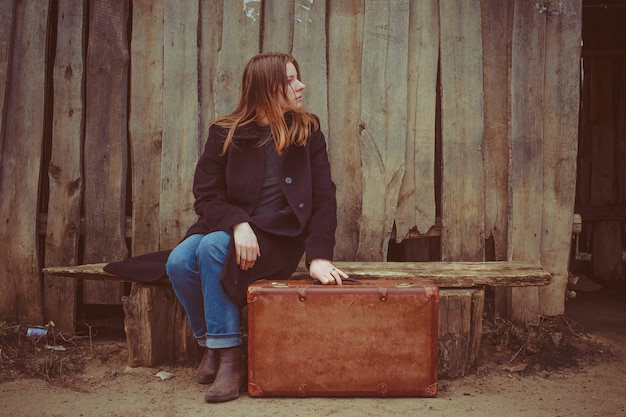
x=598, y=249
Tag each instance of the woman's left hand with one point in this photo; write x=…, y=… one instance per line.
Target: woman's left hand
x=324, y=271
x=246, y=246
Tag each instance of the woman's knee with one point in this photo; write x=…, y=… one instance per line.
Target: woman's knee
x=214, y=246
x=174, y=263
x=182, y=258
x=175, y=267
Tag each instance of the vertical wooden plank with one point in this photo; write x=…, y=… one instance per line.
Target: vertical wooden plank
x=23, y=129
x=345, y=38
x=211, y=13
x=527, y=74
x=416, y=204
x=560, y=139
x=240, y=41
x=278, y=25
x=462, y=188
x=106, y=143
x=496, y=35
x=496, y=27
x=309, y=48
x=181, y=141
x=145, y=123
x=64, y=171
x=7, y=22
x=382, y=128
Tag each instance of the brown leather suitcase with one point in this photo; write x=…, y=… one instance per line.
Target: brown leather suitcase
x=375, y=338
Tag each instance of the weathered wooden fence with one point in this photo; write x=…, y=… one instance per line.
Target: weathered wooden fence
x=443, y=117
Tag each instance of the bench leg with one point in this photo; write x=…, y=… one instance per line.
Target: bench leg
x=156, y=327
x=460, y=330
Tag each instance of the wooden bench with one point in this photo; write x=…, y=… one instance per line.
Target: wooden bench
x=157, y=331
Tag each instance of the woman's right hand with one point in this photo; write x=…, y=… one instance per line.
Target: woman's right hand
x=246, y=246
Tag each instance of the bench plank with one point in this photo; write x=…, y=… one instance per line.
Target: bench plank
x=87, y=271
x=444, y=274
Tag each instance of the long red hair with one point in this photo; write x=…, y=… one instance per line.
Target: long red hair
x=264, y=79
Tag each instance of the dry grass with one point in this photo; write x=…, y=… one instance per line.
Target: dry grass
x=59, y=360
x=551, y=344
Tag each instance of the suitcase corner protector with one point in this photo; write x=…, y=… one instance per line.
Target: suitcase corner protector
x=254, y=390
x=431, y=390
x=433, y=292
x=252, y=294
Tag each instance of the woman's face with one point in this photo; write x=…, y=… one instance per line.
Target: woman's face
x=294, y=91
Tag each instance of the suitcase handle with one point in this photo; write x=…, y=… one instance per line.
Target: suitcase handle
x=352, y=280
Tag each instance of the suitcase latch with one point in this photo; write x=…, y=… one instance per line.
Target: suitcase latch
x=382, y=293
x=278, y=284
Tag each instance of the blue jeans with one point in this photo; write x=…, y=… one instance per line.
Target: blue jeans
x=194, y=268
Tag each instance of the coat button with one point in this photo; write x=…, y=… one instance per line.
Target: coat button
x=288, y=180
x=301, y=206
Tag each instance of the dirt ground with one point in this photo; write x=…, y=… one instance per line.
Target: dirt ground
x=583, y=374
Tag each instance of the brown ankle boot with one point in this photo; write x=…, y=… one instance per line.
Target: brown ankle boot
x=229, y=376
x=208, y=367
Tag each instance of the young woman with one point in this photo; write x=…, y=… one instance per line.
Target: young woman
x=264, y=197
